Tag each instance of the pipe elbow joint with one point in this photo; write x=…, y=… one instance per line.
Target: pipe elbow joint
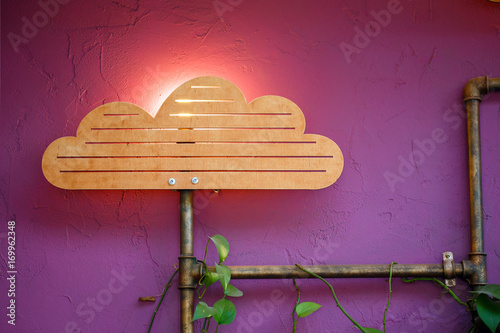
x=476, y=88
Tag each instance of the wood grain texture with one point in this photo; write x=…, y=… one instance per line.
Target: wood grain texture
x=204, y=129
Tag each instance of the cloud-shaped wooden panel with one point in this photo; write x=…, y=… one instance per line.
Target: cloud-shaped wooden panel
x=205, y=136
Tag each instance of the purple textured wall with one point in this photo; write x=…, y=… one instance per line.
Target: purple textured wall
x=84, y=257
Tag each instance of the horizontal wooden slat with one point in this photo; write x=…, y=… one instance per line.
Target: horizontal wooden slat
x=207, y=180
x=187, y=163
x=190, y=135
x=313, y=146
x=185, y=91
x=194, y=121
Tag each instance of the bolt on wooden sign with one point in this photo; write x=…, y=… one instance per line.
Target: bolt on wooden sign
x=204, y=136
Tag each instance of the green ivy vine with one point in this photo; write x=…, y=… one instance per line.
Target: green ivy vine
x=223, y=311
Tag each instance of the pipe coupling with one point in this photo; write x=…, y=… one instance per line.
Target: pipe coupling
x=188, y=270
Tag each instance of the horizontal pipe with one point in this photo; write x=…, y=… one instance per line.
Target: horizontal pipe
x=494, y=84
x=339, y=271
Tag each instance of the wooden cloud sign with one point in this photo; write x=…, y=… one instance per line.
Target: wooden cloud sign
x=205, y=136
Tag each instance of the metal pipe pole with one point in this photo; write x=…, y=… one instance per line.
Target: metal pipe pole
x=476, y=200
x=477, y=256
x=187, y=262
x=340, y=271
x=474, y=90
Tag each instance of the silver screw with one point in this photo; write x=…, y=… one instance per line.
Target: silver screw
x=195, y=180
x=171, y=181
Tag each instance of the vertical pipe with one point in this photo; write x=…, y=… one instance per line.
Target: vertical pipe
x=477, y=257
x=476, y=200
x=186, y=261
x=186, y=222
x=475, y=267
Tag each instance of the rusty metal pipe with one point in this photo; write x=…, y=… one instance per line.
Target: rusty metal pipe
x=339, y=271
x=187, y=262
x=475, y=199
x=186, y=208
x=475, y=89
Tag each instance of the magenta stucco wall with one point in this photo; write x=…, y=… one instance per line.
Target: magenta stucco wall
x=84, y=257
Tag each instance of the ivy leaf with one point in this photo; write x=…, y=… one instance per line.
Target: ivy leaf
x=492, y=290
x=489, y=311
x=203, y=311
x=210, y=278
x=304, y=309
x=224, y=275
x=233, y=291
x=222, y=247
x=372, y=330
x=225, y=312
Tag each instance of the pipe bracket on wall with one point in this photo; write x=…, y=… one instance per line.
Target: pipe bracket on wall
x=449, y=269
